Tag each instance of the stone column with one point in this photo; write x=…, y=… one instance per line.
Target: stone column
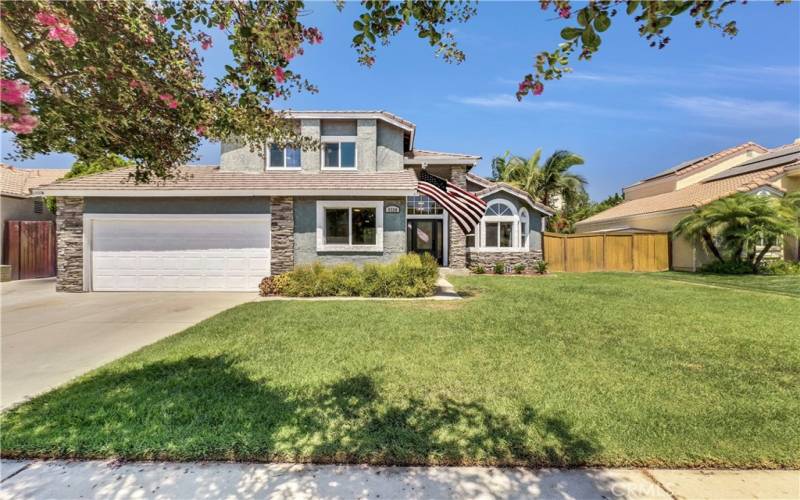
x=458, y=240
x=282, y=210
x=69, y=244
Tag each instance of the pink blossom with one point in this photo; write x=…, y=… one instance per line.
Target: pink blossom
x=63, y=33
x=280, y=76
x=205, y=41
x=3, y=53
x=12, y=92
x=201, y=129
x=288, y=55
x=522, y=86
x=169, y=100
x=565, y=12
x=47, y=19
x=149, y=40
x=221, y=26
x=24, y=124
x=6, y=118
x=314, y=35
x=538, y=88
x=160, y=18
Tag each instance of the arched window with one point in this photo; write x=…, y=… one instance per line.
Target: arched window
x=500, y=225
x=524, y=228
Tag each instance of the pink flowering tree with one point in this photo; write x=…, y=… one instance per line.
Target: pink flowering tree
x=125, y=77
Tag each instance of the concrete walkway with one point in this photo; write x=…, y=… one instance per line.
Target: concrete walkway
x=94, y=479
x=49, y=338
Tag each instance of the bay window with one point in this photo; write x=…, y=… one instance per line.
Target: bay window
x=351, y=226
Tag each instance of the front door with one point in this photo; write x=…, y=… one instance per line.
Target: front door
x=426, y=236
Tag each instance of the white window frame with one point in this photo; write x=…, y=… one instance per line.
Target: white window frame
x=284, y=167
x=480, y=237
x=338, y=140
x=350, y=205
x=525, y=217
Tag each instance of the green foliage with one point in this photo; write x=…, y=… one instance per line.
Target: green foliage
x=519, y=268
x=545, y=182
x=564, y=221
x=479, y=269
x=781, y=268
x=733, y=228
x=728, y=267
x=541, y=266
x=411, y=275
x=88, y=167
x=499, y=268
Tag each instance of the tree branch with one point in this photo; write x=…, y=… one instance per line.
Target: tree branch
x=21, y=56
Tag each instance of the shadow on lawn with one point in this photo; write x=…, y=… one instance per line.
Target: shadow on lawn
x=207, y=408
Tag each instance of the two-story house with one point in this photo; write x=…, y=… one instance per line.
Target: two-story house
x=262, y=212
x=659, y=202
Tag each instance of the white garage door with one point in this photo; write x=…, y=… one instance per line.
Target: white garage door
x=179, y=253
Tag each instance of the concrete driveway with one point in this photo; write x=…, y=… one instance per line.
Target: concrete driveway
x=48, y=338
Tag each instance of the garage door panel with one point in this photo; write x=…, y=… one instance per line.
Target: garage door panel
x=179, y=254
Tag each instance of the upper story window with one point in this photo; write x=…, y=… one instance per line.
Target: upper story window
x=279, y=157
x=338, y=153
x=421, y=204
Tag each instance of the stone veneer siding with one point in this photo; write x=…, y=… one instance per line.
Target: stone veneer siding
x=458, y=240
x=282, y=209
x=510, y=259
x=69, y=244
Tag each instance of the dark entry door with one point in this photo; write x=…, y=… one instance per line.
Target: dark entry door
x=426, y=236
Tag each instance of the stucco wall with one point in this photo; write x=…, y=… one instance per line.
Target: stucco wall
x=390, y=147
x=219, y=205
x=20, y=209
x=535, y=218
x=239, y=157
x=305, y=236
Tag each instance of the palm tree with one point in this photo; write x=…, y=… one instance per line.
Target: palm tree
x=734, y=226
x=542, y=182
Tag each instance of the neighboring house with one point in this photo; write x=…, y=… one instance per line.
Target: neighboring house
x=659, y=202
x=16, y=200
x=262, y=213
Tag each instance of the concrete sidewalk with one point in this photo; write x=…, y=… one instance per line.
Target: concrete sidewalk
x=95, y=479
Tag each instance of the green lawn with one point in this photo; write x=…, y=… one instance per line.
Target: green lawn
x=781, y=284
x=582, y=369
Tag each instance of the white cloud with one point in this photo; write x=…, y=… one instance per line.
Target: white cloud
x=536, y=103
x=735, y=111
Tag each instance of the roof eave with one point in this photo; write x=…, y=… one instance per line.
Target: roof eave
x=177, y=193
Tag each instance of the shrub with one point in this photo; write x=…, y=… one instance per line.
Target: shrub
x=479, y=270
x=409, y=276
x=729, y=267
x=541, y=266
x=781, y=267
x=519, y=268
x=499, y=268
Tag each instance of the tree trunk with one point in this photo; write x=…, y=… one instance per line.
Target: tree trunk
x=709, y=241
x=763, y=252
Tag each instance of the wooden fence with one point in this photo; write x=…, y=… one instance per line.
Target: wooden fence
x=30, y=249
x=582, y=253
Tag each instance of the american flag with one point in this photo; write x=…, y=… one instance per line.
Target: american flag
x=464, y=207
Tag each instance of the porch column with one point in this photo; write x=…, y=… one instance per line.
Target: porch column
x=69, y=244
x=282, y=230
x=457, y=258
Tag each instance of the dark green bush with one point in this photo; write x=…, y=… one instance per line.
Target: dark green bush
x=411, y=275
x=479, y=270
x=499, y=267
x=730, y=267
x=541, y=266
x=519, y=268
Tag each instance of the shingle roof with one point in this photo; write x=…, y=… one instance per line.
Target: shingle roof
x=696, y=164
x=692, y=196
x=18, y=182
x=209, y=179
x=492, y=187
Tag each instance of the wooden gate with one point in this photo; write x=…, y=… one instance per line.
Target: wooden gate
x=30, y=249
x=607, y=252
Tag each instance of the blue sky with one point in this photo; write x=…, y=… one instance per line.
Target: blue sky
x=630, y=112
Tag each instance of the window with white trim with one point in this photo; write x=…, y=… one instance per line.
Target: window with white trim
x=524, y=228
x=500, y=225
x=279, y=157
x=338, y=154
x=353, y=226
